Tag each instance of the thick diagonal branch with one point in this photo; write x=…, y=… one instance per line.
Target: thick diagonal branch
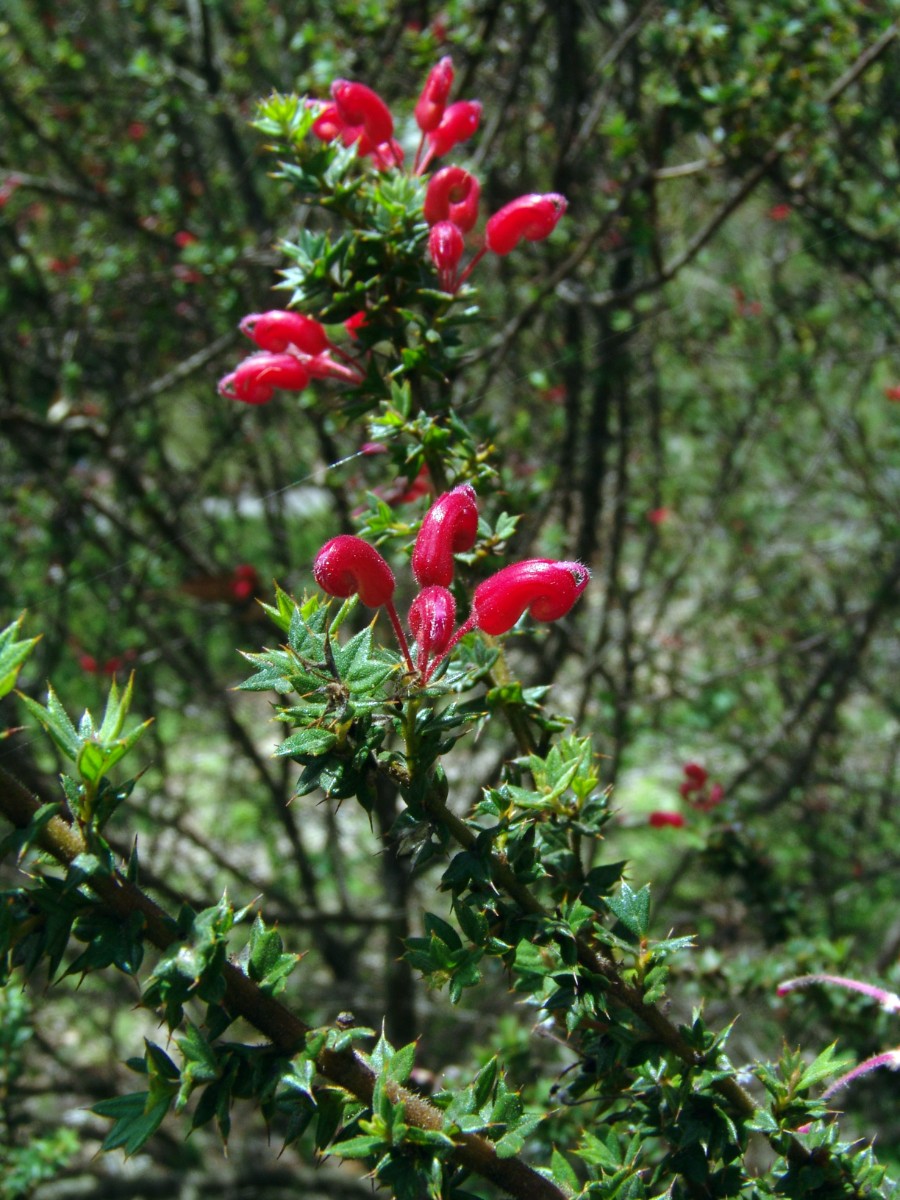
x=286, y=1031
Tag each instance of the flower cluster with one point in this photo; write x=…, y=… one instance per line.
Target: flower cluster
x=292, y=349
x=699, y=793
x=358, y=116
x=546, y=588
x=697, y=790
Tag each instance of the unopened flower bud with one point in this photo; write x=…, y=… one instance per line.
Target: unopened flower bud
x=358, y=105
x=446, y=246
x=545, y=588
x=450, y=527
x=347, y=565
x=452, y=195
x=431, y=618
x=531, y=217
x=278, y=329
x=254, y=380
x=433, y=100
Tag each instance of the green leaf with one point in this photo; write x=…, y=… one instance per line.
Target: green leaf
x=632, y=909
x=824, y=1067
x=135, y=1119
x=357, y=1147
x=13, y=654
x=309, y=742
x=54, y=720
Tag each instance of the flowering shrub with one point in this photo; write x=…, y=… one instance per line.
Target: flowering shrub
x=652, y=1104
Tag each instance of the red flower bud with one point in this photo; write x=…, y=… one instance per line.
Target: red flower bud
x=452, y=195
x=544, y=587
x=450, y=527
x=532, y=217
x=431, y=618
x=457, y=125
x=254, y=380
x=348, y=565
x=358, y=105
x=659, y=819
x=433, y=100
x=446, y=246
x=716, y=795
x=278, y=329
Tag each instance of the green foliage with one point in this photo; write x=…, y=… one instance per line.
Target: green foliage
x=686, y=388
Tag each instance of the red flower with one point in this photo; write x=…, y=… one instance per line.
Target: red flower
x=359, y=107
x=695, y=774
x=452, y=195
x=255, y=379
x=352, y=324
x=446, y=246
x=892, y=393
x=660, y=819
x=545, y=588
x=433, y=100
x=244, y=582
x=532, y=217
x=459, y=122
x=405, y=491
x=278, y=329
x=716, y=795
x=659, y=516
x=450, y=527
x=780, y=212
x=185, y=238
x=347, y=565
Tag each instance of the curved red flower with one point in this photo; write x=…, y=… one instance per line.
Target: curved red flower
x=348, y=566
x=543, y=587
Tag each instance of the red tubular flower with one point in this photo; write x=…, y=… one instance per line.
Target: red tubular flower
x=433, y=100
x=347, y=565
x=532, y=217
x=660, y=819
x=255, y=379
x=357, y=105
x=459, y=122
x=277, y=329
x=431, y=618
x=545, y=588
x=452, y=195
x=450, y=527
x=446, y=246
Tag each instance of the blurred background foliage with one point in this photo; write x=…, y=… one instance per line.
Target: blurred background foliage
x=693, y=386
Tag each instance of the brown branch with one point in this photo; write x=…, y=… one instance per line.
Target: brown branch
x=286, y=1031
